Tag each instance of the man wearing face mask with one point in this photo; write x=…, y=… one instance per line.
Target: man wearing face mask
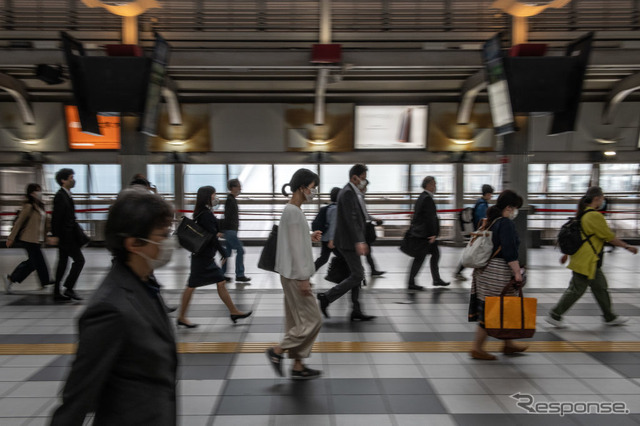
x=350, y=243
x=126, y=362
x=230, y=225
x=70, y=237
x=425, y=225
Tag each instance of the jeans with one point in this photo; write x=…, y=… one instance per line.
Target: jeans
x=233, y=243
x=577, y=287
x=36, y=262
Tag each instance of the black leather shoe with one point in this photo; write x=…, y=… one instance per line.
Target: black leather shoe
x=324, y=304
x=243, y=279
x=227, y=279
x=441, y=283
x=359, y=316
x=72, y=294
x=169, y=309
x=184, y=324
x=58, y=298
x=235, y=318
x=377, y=273
x=415, y=287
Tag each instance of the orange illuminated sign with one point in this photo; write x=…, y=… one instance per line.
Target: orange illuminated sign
x=109, y=128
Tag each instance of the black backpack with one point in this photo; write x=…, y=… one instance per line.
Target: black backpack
x=320, y=222
x=570, y=236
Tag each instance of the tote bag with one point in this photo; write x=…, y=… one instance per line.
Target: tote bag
x=192, y=236
x=477, y=252
x=267, y=259
x=510, y=317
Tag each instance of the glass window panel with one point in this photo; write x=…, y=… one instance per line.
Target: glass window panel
x=536, y=178
x=162, y=176
x=443, y=173
x=619, y=177
x=198, y=175
x=283, y=173
x=105, y=179
x=387, y=178
x=476, y=175
x=255, y=178
x=332, y=175
x=80, y=176
x=569, y=178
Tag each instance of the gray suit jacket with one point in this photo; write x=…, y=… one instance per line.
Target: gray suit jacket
x=350, y=220
x=125, y=366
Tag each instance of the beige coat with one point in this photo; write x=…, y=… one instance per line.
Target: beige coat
x=31, y=231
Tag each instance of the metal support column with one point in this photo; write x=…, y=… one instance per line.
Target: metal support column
x=458, y=201
x=178, y=184
x=134, y=155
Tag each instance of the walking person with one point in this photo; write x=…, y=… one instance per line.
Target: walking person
x=370, y=233
x=204, y=270
x=294, y=263
x=29, y=230
x=126, y=362
x=586, y=263
x=231, y=224
x=350, y=242
x=70, y=236
x=479, y=213
x=329, y=230
x=425, y=225
x=500, y=271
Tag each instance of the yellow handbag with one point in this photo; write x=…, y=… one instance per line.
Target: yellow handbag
x=510, y=317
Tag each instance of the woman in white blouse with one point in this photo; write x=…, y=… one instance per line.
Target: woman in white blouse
x=294, y=263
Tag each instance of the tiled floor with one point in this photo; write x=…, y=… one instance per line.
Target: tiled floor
x=357, y=388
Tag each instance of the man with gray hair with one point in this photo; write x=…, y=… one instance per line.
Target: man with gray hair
x=425, y=225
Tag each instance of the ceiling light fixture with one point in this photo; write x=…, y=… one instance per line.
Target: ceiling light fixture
x=606, y=141
x=462, y=141
x=609, y=153
x=177, y=142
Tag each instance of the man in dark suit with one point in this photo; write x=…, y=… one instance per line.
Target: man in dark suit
x=350, y=242
x=426, y=226
x=126, y=362
x=69, y=233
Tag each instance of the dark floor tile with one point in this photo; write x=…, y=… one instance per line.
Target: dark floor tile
x=604, y=419
x=422, y=337
x=631, y=371
x=44, y=299
x=202, y=372
x=489, y=419
x=544, y=419
x=406, y=387
x=62, y=361
x=416, y=404
x=244, y=405
x=354, y=387
x=300, y=404
x=275, y=387
x=266, y=328
x=347, y=326
x=50, y=374
x=616, y=357
x=358, y=404
x=267, y=320
x=205, y=359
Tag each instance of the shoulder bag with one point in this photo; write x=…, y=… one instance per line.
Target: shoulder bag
x=267, y=259
x=192, y=236
x=478, y=250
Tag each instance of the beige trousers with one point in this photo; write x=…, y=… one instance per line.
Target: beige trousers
x=303, y=320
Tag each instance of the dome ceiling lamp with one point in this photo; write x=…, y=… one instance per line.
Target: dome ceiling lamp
x=129, y=10
x=520, y=11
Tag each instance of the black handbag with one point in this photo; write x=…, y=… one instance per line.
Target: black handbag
x=370, y=233
x=192, y=236
x=267, y=259
x=338, y=270
x=412, y=246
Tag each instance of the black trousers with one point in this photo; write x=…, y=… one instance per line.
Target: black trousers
x=324, y=255
x=64, y=253
x=352, y=282
x=35, y=262
x=370, y=259
x=434, y=251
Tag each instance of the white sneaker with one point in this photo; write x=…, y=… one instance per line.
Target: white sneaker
x=460, y=277
x=7, y=283
x=554, y=322
x=619, y=320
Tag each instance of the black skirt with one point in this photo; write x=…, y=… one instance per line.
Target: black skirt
x=204, y=271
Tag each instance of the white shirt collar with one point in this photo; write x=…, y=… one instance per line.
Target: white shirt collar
x=429, y=192
x=67, y=191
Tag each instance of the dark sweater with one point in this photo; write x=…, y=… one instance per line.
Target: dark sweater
x=231, y=220
x=505, y=235
x=209, y=222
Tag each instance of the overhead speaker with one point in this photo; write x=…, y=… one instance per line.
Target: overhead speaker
x=49, y=74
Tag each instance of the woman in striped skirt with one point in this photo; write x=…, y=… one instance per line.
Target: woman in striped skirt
x=501, y=269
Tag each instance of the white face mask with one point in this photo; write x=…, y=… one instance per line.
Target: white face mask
x=513, y=214
x=167, y=246
x=362, y=184
x=311, y=195
x=215, y=201
x=37, y=195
